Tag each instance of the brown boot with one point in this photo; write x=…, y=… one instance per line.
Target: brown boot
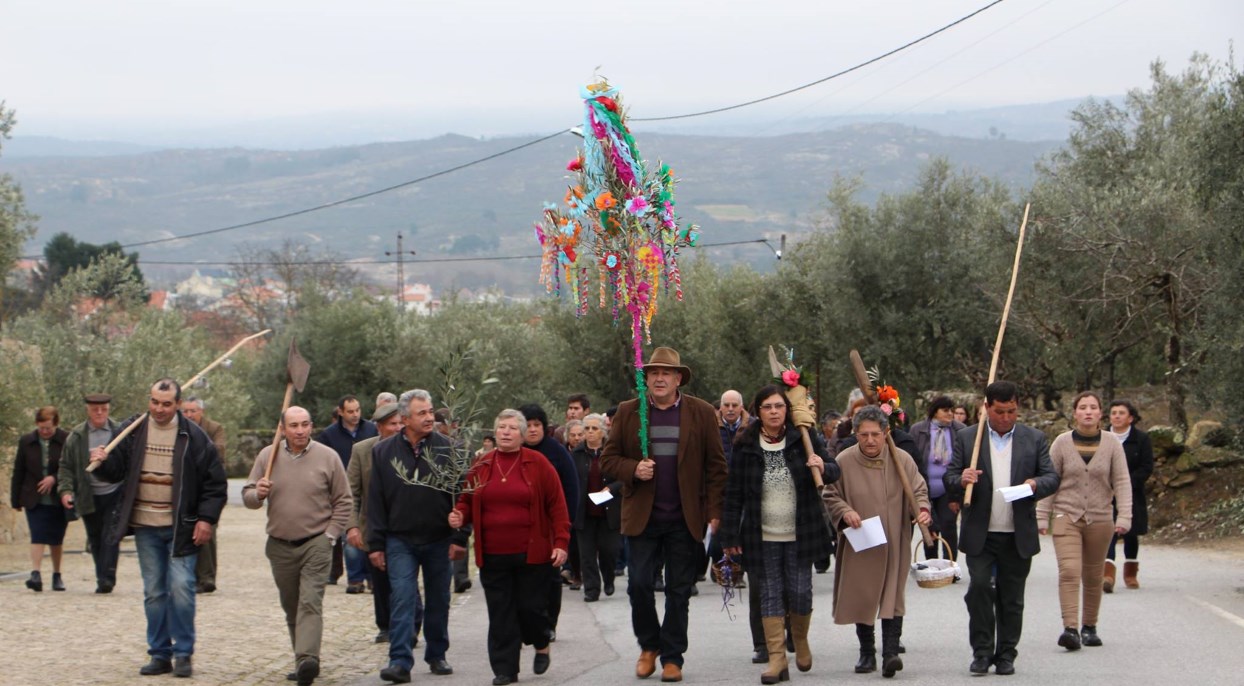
x=1107, y=577
x=647, y=663
x=799, y=631
x=1130, y=570
x=775, y=638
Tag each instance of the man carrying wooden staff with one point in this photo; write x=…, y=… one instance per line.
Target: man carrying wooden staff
x=998, y=534
x=174, y=490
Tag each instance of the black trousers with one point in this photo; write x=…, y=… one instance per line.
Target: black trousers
x=515, y=594
x=996, y=610
x=598, y=553
x=672, y=546
x=105, y=556
x=553, y=596
x=944, y=522
x=572, y=555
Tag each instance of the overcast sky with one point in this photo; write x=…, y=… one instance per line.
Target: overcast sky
x=90, y=69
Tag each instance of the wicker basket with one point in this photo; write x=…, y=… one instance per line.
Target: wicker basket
x=934, y=572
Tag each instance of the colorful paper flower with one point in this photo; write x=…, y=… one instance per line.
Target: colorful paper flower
x=605, y=201
x=637, y=205
x=611, y=261
x=887, y=394
x=790, y=377
x=575, y=165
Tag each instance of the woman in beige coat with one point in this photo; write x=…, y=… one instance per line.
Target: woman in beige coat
x=1093, y=468
x=870, y=583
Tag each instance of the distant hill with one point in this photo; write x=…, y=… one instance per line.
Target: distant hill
x=737, y=188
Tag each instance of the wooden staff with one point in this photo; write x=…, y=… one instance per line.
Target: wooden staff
x=861, y=378
x=296, y=370
x=143, y=417
x=798, y=400
x=997, y=350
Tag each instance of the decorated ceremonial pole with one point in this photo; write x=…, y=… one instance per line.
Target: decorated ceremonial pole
x=997, y=350
x=143, y=417
x=617, y=220
x=861, y=378
x=296, y=371
x=801, y=414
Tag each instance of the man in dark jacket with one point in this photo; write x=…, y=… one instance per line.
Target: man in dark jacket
x=341, y=435
x=539, y=439
x=90, y=495
x=408, y=530
x=174, y=490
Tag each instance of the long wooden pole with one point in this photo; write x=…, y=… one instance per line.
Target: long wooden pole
x=143, y=417
x=997, y=351
x=861, y=378
x=807, y=447
x=276, y=439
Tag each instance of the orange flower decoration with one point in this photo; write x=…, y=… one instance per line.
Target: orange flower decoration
x=886, y=393
x=605, y=201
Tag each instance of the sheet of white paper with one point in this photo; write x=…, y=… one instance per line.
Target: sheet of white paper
x=869, y=535
x=598, y=498
x=1012, y=493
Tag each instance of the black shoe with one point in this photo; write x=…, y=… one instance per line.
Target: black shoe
x=158, y=665
x=205, y=588
x=695, y=590
x=356, y=588
x=891, y=664
x=35, y=582
x=609, y=589
x=58, y=584
x=867, y=662
x=396, y=673
x=440, y=667
x=292, y=676
x=382, y=636
x=590, y=598
x=503, y=680
x=308, y=669
x=181, y=667
x=332, y=581
x=979, y=665
x=576, y=585
x=902, y=649
x=463, y=587
x=1004, y=666
x=760, y=656
x=1089, y=637
x=103, y=588
x=540, y=665
x=1069, y=639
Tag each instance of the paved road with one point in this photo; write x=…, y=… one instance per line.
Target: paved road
x=1185, y=626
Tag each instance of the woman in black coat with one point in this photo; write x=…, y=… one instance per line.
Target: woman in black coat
x=34, y=490
x=1139, y=451
x=774, y=518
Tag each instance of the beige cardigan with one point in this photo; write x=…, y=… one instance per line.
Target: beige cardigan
x=1087, y=489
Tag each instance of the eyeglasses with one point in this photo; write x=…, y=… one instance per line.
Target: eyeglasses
x=778, y=406
x=593, y=428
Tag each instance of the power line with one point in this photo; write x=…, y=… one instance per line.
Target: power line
x=368, y=262
x=831, y=77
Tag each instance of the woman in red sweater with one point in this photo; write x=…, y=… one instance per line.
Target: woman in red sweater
x=514, y=499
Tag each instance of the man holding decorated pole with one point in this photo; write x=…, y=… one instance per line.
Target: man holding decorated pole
x=174, y=490
x=998, y=534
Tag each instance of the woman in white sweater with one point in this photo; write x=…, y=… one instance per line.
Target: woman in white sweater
x=1094, y=472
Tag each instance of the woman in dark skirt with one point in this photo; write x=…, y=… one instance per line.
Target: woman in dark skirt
x=34, y=489
x=1139, y=450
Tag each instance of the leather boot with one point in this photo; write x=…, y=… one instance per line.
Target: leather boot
x=1107, y=577
x=1130, y=570
x=891, y=631
x=35, y=582
x=868, y=649
x=775, y=638
x=799, y=625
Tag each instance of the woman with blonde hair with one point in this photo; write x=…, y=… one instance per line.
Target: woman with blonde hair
x=1093, y=472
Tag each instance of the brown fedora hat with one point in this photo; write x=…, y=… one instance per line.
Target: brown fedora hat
x=668, y=358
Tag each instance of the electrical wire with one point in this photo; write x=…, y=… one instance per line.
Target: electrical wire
x=831, y=77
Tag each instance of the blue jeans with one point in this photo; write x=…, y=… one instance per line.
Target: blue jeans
x=404, y=560
x=168, y=593
x=356, y=564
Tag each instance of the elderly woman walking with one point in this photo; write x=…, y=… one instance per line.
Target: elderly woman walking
x=870, y=583
x=1094, y=472
x=515, y=501
x=34, y=489
x=774, y=518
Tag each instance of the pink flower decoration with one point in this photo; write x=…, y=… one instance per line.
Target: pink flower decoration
x=885, y=407
x=790, y=377
x=637, y=205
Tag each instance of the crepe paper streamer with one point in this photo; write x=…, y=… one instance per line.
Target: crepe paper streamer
x=618, y=219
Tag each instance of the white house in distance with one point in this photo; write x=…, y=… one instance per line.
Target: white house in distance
x=418, y=298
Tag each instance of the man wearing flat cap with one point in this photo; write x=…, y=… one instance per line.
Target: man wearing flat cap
x=668, y=499
x=388, y=422
x=93, y=497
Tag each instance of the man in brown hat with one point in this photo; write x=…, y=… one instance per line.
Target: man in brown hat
x=91, y=496
x=675, y=492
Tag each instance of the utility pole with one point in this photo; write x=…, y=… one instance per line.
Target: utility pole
x=401, y=269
